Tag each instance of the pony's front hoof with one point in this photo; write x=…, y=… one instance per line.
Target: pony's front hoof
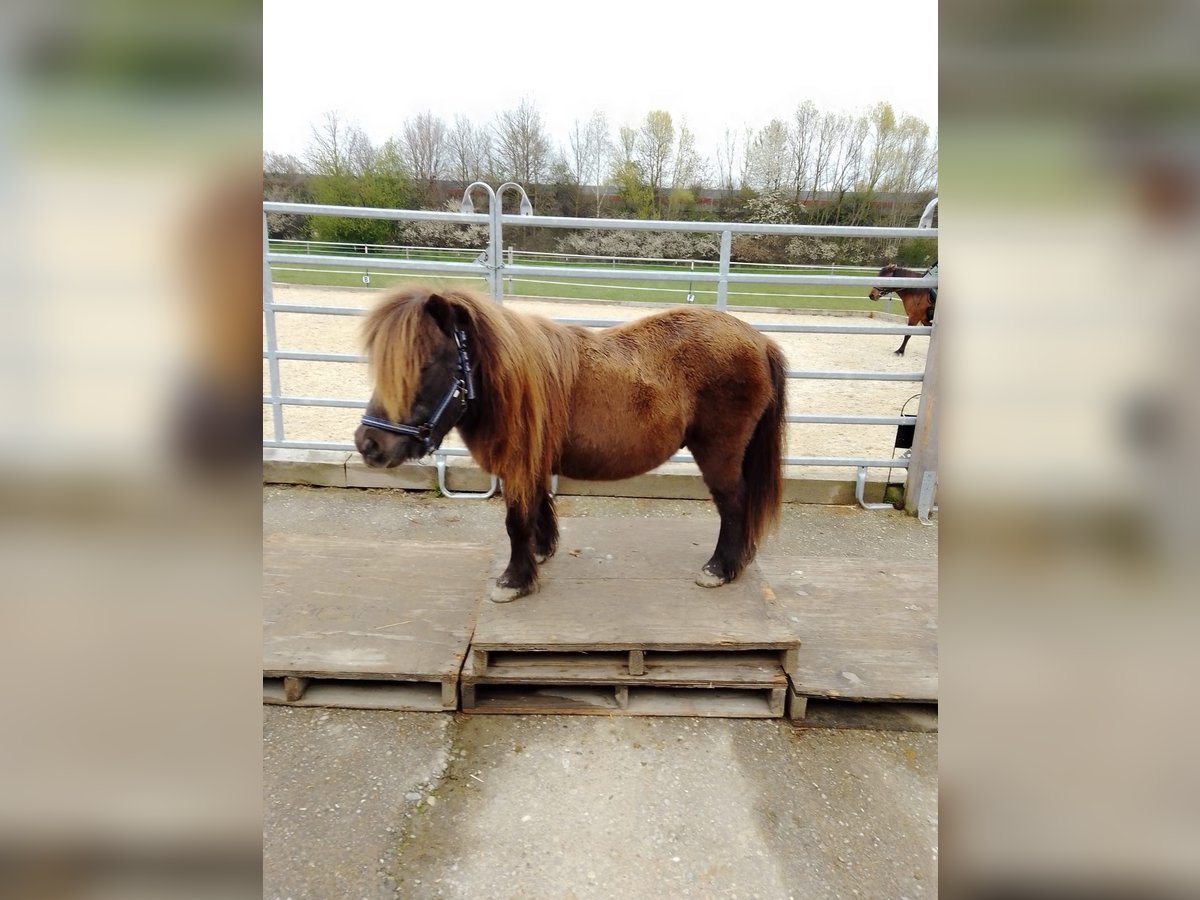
x=504, y=594
x=710, y=579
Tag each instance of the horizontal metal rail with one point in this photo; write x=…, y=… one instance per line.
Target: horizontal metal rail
x=867, y=231
x=804, y=419
x=320, y=310
x=317, y=401
x=375, y=212
x=864, y=281
x=824, y=461
x=800, y=329
x=798, y=418
x=859, y=376
x=380, y=263
x=314, y=357
x=412, y=215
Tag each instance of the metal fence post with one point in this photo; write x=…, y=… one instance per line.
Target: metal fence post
x=495, y=247
x=923, y=462
x=272, y=341
x=723, y=271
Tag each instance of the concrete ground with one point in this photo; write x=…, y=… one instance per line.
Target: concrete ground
x=361, y=804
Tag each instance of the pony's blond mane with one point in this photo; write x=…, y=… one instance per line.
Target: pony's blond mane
x=525, y=370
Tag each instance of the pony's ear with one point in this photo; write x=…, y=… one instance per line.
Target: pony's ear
x=443, y=313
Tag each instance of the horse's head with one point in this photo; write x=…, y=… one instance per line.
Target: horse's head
x=876, y=292
x=416, y=349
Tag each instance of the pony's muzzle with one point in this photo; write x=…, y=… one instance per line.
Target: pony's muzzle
x=382, y=452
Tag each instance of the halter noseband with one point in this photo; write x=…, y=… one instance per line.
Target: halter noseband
x=462, y=389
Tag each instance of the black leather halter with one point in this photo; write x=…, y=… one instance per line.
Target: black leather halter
x=461, y=390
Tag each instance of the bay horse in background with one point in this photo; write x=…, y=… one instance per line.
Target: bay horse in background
x=533, y=398
x=918, y=302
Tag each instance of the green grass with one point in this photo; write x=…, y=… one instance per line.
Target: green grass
x=632, y=289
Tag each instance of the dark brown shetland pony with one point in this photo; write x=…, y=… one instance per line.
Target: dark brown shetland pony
x=918, y=302
x=532, y=398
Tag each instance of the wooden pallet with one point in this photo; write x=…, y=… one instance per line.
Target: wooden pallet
x=362, y=693
x=626, y=586
x=869, y=626
x=370, y=624
x=607, y=690
x=809, y=712
x=620, y=627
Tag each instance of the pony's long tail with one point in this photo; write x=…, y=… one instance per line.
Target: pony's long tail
x=762, y=465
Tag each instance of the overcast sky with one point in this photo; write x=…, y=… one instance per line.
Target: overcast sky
x=713, y=65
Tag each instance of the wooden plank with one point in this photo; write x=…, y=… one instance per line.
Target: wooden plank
x=293, y=688
x=637, y=662
x=607, y=661
x=622, y=584
x=869, y=627
x=372, y=609
x=479, y=658
x=776, y=700
x=641, y=701
x=767, y=675
x=870, y=715
x=408, y=696
x=797, y=706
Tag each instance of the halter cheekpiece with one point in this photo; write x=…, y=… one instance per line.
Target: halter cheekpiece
x=461, y=390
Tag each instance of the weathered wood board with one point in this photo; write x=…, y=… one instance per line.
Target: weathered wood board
x=371, y=611
x=866, y=715
x=628, y=584
x=409, y=696
x=627, y=697
x=869, y=627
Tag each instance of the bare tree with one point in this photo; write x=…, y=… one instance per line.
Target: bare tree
x=882, y=159
x=576, y=156
x=599, y=150
x=744, y=176
x=687, y=169
x=522, y=148
x=827, y=136
x=423, y=143
x=329, y=150
x=467, y=151
x=626, y=146
x=726, y=154
x=851, y=138
x=801, y=137
x=655, y=143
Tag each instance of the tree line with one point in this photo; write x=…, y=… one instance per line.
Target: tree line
x=874, y=167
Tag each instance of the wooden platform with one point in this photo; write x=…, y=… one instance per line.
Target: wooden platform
x=627, y=586
x=619, y=626
x=869, y=627
x=371, y=624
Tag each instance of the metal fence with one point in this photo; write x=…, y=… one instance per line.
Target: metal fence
x=921, y=464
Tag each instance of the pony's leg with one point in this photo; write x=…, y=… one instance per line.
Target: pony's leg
x=520, y=577
x=545, y=529
x=721, y=466
x=904, y=343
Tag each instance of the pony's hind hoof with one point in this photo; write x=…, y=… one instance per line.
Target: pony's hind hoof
x=710, y=579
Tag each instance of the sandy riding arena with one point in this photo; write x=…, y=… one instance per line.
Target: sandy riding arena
x=821, y=352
